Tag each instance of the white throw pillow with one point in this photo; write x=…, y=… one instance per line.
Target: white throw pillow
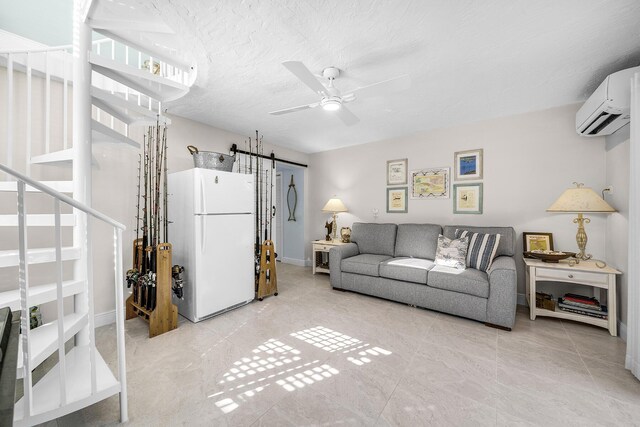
x=452, y=252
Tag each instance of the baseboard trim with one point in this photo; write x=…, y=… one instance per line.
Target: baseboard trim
x=293, y=261
x=106, y=318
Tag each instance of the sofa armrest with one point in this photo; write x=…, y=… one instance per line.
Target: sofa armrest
x=336, y=255
x=503, y=296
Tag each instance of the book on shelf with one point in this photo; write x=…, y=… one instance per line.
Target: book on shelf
x=591, y=313
x=581, y=299
x=579, y=305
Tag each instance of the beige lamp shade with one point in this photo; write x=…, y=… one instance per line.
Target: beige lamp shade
x=579, y=200
x=334, y=205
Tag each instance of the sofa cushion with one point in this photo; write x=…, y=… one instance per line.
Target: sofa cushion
x=469, y=281
x=482, y=248
x=377, y=239
x=417, y=240
x=406, y=269
x=366, y=264
x=452, y=252
x=507, y=244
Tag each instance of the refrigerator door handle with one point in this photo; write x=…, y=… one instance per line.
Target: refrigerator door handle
x=203, y=231
x=203, y=199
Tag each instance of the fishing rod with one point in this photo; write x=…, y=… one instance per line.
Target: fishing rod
x=259, y=160
x=266, y=207
x=158, y=171
x=165, y=195
x=272, y=212
x=136, y=257
x=257, y=247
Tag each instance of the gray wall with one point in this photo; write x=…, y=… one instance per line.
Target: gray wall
x=529, y=160
x=617, y=243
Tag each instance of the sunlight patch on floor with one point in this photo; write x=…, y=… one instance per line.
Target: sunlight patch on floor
x=276, y=362
x=326, y=339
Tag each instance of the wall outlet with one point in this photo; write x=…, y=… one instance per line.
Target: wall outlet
x=608, y=190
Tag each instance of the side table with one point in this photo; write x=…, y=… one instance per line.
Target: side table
x=320, y=247
x=584, y=273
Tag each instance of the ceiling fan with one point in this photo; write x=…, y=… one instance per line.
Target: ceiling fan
x=330, y=97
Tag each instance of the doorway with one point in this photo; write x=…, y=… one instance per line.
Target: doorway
x=290, y=214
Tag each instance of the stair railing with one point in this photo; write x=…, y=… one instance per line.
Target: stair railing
x=55, y=63
x=41, y=63
x=22, y=183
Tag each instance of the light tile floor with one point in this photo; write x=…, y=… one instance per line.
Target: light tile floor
x=314, y=356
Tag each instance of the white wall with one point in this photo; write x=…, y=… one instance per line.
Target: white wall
x=293, y=231
x=529, y=159
x=617, y=241
x=115, y=180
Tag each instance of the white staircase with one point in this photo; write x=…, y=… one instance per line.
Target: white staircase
x=113, y=83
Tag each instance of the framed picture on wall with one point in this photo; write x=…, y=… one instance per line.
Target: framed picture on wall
x=467, y=165
x=537, y=241
x=397, y=200
x=430, y=183
x=397, y=172
x=467, y=198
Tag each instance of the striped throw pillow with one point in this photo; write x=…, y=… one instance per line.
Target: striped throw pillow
x=482, y=248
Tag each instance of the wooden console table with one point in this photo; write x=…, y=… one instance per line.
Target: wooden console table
x=585, y=273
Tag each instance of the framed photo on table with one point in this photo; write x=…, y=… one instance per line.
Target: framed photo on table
x=430, y=183
x=467, y=165
x=537, y=241
x=397, y=200
x=467, y=198
x=397, y=172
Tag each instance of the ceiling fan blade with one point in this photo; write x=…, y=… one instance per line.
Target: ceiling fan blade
x=347, y=117
x=294, y=109
x=381, y=88
x=301, y=71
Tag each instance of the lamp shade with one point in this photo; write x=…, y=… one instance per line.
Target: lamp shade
x=334, y=205
x=580, y=199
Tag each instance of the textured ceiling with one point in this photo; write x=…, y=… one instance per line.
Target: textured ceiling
x=468, y=61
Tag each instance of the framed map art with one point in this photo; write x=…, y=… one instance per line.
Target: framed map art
x=430, y=183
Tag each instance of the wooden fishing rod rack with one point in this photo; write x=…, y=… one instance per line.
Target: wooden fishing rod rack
x=164, y=317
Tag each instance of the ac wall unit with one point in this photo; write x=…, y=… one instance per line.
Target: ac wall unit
x=607, y=109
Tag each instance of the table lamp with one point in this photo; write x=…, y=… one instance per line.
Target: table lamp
x=580, y=200
x=334, y=205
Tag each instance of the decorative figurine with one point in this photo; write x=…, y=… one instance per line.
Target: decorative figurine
x=345, y=234
x=329, y=226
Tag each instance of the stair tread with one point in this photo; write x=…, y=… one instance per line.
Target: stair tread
x=61, y=186
x=54, y=157
x=9, y=258
x=157, y=87
x=44, y=339
x=40, y=294
x=126, y=111
x=46, y=393
x=100, y=132
x=37, y=220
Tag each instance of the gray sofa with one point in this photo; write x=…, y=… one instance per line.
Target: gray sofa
x=395, y=262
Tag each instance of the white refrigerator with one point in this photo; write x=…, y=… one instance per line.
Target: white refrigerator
x=211, y=228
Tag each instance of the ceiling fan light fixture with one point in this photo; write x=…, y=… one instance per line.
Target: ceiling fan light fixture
x=331, y=104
